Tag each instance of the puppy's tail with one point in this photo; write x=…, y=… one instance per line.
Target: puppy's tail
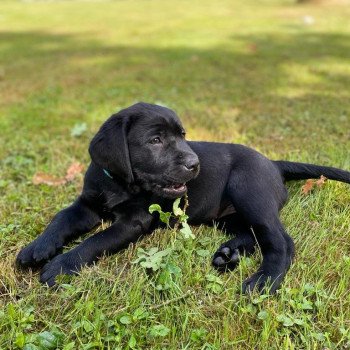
x=300, y=171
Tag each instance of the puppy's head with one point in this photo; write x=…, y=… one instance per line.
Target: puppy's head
x=145, y=144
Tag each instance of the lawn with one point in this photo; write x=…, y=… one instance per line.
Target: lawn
x=270, y=74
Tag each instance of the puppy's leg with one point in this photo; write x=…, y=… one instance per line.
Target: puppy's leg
x=110, y=241
x=258, y=198
x=275, y=261
x=290, y=249
x=228, y=255
x=69, y=223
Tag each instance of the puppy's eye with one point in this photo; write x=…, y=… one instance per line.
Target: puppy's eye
x=183, y=134
x=155, y=140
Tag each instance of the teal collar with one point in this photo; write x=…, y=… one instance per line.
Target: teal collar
x=108, y=173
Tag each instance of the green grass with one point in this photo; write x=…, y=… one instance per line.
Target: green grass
x=235, y=71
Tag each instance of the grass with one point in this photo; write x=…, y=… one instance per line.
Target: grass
x=235, y=71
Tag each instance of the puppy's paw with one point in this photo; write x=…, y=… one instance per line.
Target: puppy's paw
x=226, y=258
x=262, y=283
x=61, y=264
x=38, y=252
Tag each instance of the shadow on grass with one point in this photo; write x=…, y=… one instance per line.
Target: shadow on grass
x=248, y=86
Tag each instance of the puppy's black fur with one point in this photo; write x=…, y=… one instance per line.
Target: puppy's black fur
x=140, y=157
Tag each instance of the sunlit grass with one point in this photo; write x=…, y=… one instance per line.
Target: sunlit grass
x=251, y=72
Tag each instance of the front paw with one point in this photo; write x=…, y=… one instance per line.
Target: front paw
x=62, y=264
x=38, y=252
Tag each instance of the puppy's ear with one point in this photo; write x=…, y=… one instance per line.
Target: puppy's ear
x=109, y=147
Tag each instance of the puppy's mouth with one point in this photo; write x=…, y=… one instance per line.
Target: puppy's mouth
x=175, y=189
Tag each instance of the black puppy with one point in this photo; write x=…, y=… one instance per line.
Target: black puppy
x=140, y=157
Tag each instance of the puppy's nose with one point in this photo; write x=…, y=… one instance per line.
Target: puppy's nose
x=192, y=164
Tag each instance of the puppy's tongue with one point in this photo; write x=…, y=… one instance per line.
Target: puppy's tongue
x=178, y=187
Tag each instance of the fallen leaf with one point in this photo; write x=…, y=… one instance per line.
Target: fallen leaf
x=305, y=189
x=75, y=169
x=309, y=184
x=47, y=179
x=321, y=181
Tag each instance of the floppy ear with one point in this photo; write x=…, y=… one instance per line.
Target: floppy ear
x=109, y=148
